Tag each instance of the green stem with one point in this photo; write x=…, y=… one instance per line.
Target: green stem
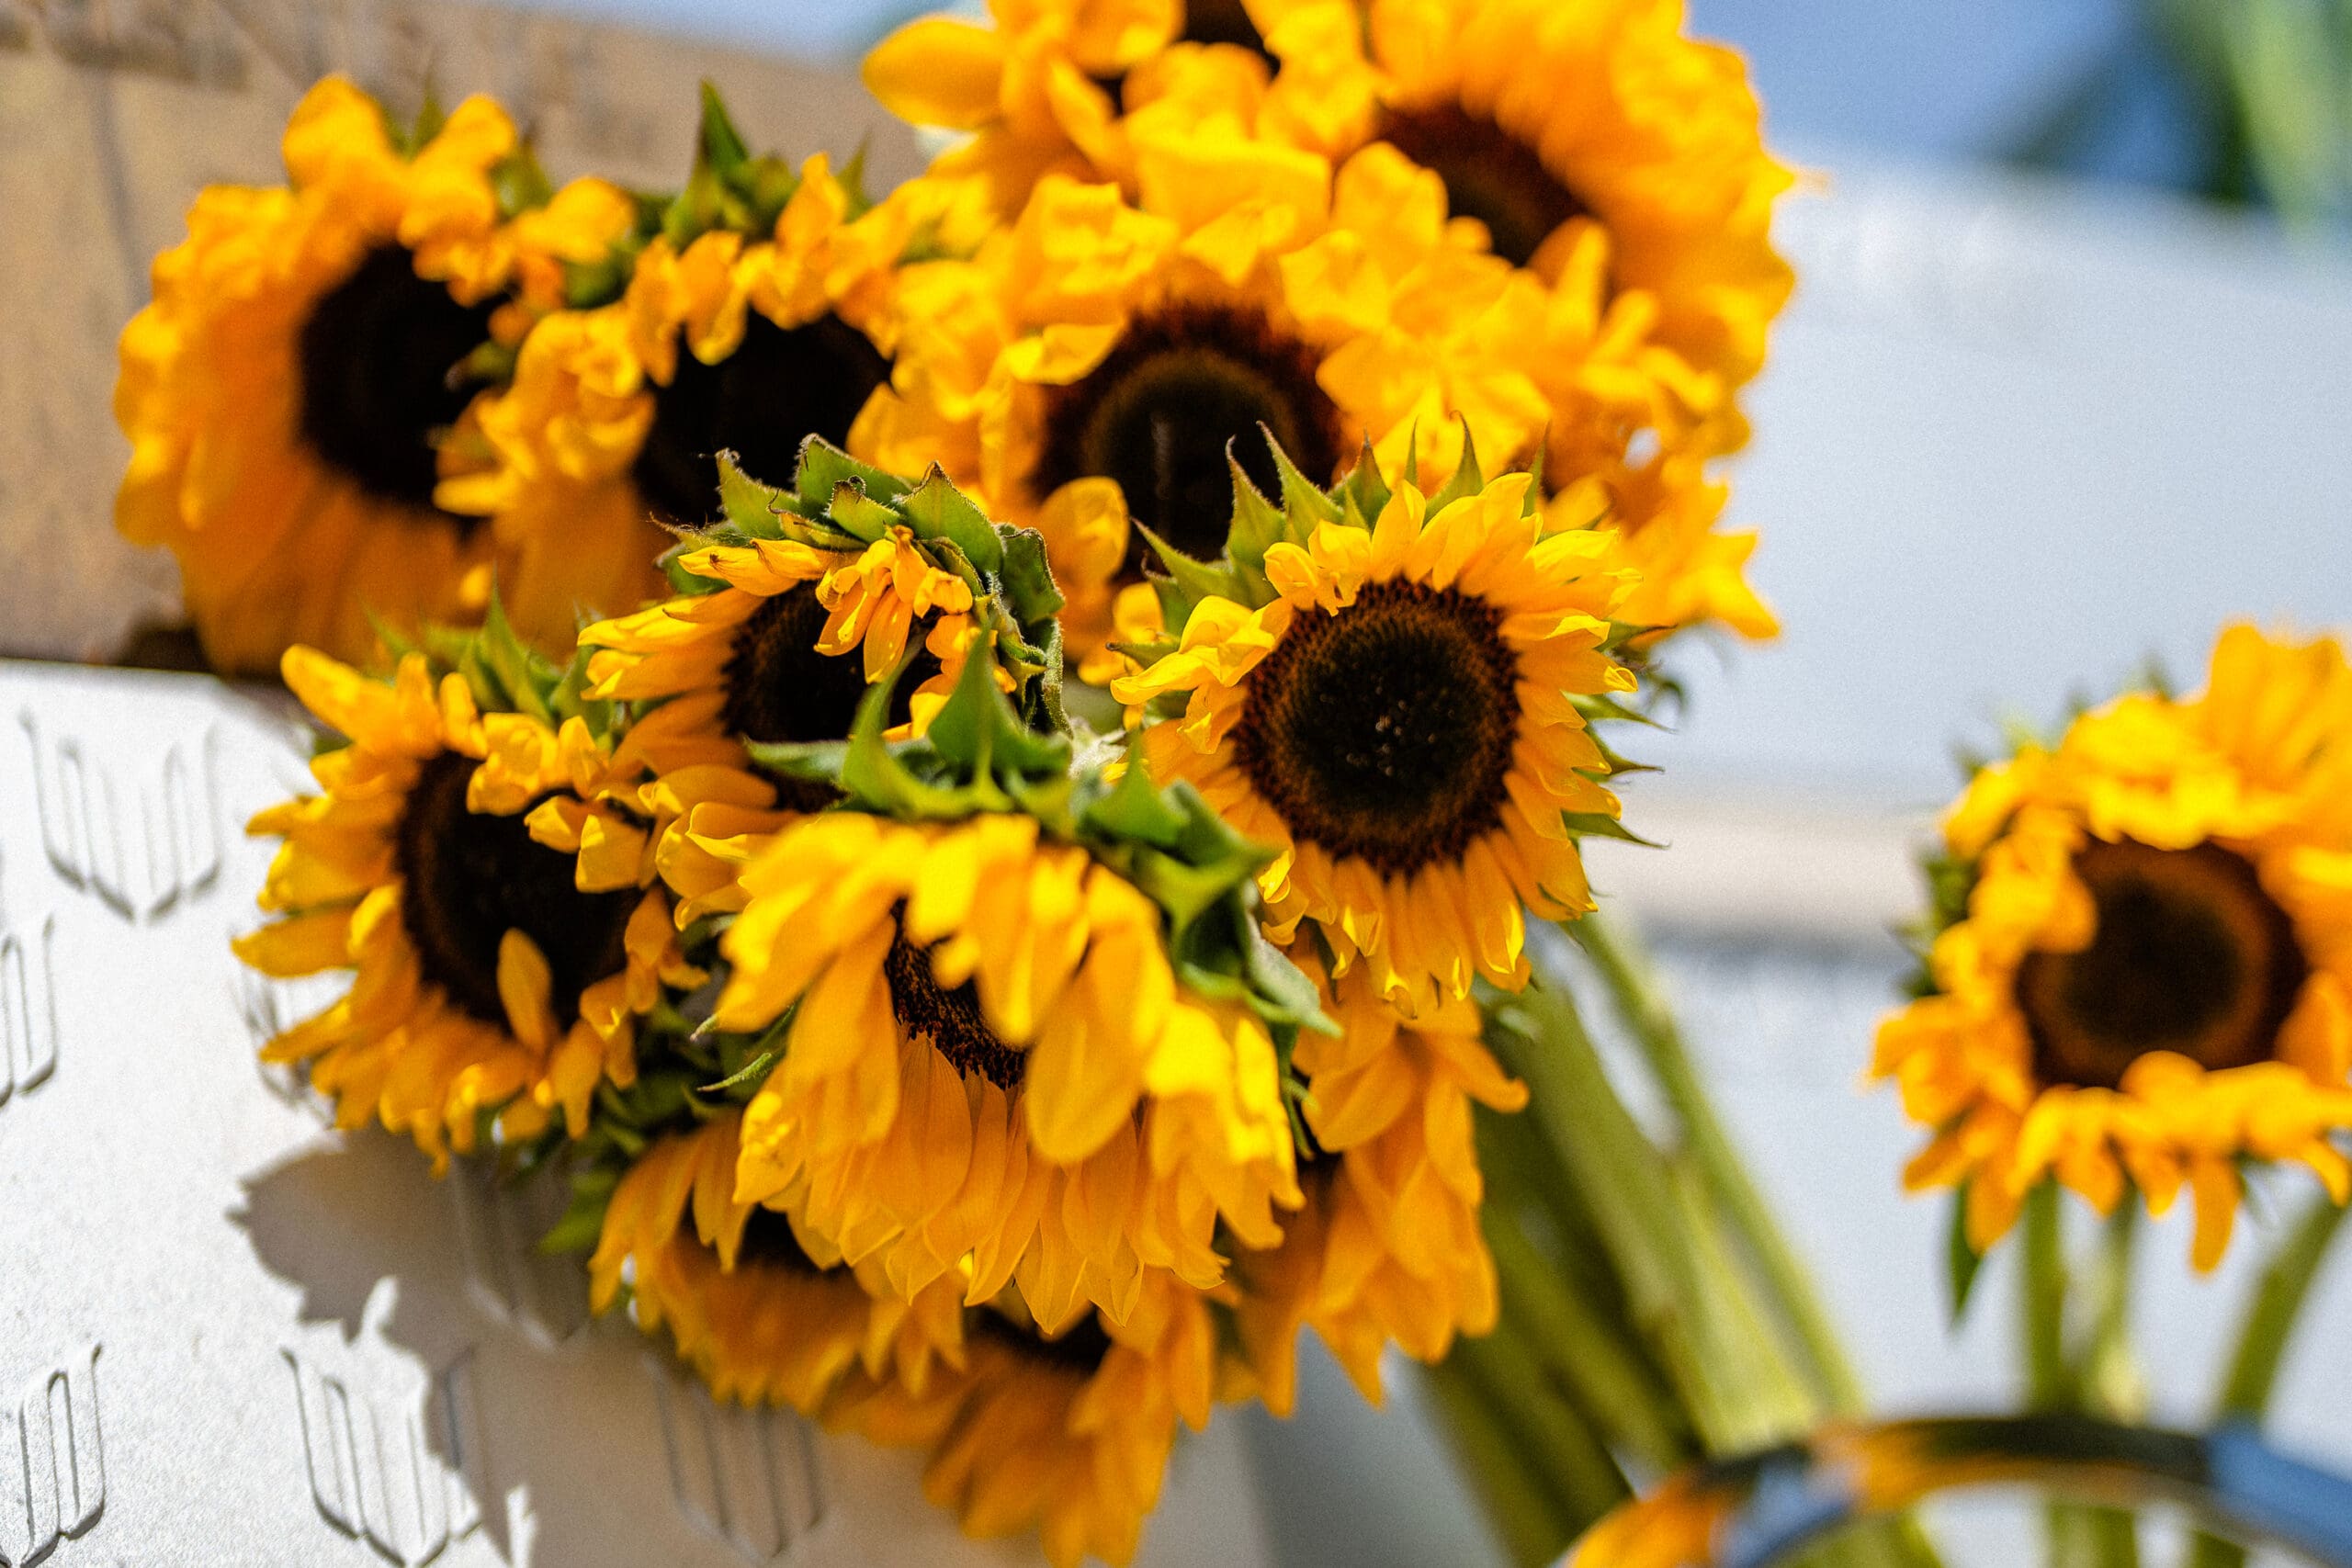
x=1519, y=1503
x=2278, y=1307
x=2269, y=1328
x=2107, y=1380
x=2043, y=1301
x=2078, y=1537
x=1592, y=1357
x=1622, y=1179
x=1566, y=1456
x=1788, y=1284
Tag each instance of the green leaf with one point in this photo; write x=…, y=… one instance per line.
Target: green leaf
x=1961, y=1261
x=938, y=510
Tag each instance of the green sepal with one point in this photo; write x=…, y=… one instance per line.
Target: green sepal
x=1027, y=577
x=1198, y=580
x=1600, y=825
x=1365, y=486
x=851, y=510
x=823, y=466
x=935, y=509
x=1962, y=1262
x=672, y=562
x=583, y=1222
x=519, y=671
x=978, y=732
x=1467, y=479
x=413, y=137
x=756, y=509
x=519, y=184
x=1303, y=499
x=1257, y=524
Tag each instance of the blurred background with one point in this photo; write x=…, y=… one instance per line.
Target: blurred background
x=2066, y=384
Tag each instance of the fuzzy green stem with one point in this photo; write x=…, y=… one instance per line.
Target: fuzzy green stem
x=1788, y=1285
x=2262, y=1339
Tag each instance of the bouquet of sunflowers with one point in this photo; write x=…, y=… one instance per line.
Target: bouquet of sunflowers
x=991, y=773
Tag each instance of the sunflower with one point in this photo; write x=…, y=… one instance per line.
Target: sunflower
x=1387, y=1249
x=1093, y=365
x=724, y=342
x=2150, y=981
x=1549, y=123
x=1070, y=1434
x=988, y=1063
x=487, y=978
x=1041, y=90
x=1397, y=718
x=754, y=1306
x=783, y=650
x=1687, y=570
x=284, y=392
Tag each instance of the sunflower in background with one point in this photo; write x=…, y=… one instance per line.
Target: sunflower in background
x=1091, y=367
x=1070, y=1434
x=1386, y=693
x=1387, y=1249
x=758, y=314
x=754, y=1305
x=1609, y=331
x=2144, y=974
x=1050, y=88
x=307, y=345
x=494, y=973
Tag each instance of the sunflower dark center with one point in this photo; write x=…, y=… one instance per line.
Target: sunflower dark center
x=950, y=1020
x=1079, y=1348
x=1208, y=21
x=469, y=878
x=768, y=1240
x=780, y=386
x=779, y=688
x=1384, y=731
x=1156, y=413
x=2189, y=954
x=379, y=357
x=1489, y=174
x=1222, y=21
